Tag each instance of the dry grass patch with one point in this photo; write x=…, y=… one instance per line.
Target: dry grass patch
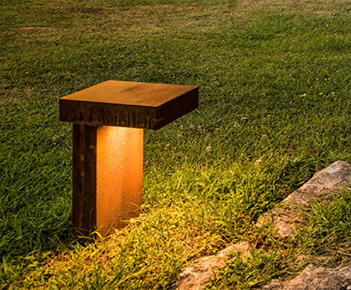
x=296, y=6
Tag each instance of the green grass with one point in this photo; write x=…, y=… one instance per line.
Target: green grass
x=274, y=108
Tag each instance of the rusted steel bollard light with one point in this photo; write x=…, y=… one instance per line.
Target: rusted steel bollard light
x=108, y=122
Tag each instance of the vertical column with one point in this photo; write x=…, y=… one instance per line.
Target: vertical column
x=84, y=179
x=107, y=177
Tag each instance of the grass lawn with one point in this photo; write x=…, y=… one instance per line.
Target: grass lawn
x=275, y=101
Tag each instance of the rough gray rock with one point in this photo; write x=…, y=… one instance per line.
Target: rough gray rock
x=315, y=278
x=329, y=180
x=199, y=274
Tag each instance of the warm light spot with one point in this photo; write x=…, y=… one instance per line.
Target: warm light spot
x=119, y=175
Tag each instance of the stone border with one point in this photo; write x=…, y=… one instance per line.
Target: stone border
x=329, y=180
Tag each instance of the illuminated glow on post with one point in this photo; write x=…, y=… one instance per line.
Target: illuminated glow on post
x=119, y=152
x=108, y=121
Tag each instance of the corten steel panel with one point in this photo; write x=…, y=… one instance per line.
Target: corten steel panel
x=129, y=104
x=107, y=177
x=84, y=179
x=119, y=171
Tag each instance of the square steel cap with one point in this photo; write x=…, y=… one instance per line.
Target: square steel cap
x=129, y=104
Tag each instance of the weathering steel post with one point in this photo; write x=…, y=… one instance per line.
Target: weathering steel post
x=108, y=121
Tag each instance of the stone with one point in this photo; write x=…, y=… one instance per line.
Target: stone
x=315, y=278
x=329, y=180
x=196, y=276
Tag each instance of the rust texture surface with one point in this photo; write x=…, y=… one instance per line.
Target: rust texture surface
x=107, y=177
x=119, y=172
x=84, y=179
x=129, y=104
x=108, y=121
